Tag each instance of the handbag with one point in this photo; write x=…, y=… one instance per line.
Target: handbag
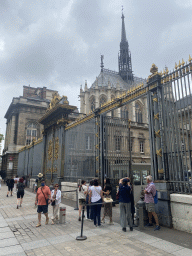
x=53, y=203
x=107, y=200
x=117, y=196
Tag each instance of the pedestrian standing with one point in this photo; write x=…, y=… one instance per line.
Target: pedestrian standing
x=96, y=198
x=108, y=206
x=82, y=196
x=16, y=180
x=150, y=192
x=38, y=180
x=20, y=192
x=55, y=201
x=42, y=199
x=10, y=184
x=125, y=204
x=89, y=209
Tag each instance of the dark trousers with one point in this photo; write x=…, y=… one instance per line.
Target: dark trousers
x=97, y=213
x=88, y=208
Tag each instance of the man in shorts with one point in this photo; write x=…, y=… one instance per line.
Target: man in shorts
x=42, y=200
x=150, y=192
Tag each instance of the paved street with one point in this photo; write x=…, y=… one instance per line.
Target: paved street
x=19, y=235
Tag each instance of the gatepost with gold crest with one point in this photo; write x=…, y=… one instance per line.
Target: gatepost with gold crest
x=54, y=121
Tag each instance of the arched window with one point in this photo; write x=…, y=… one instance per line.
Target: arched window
x=125, y=112
x=103, y=99
x=138, y=113
x=92, y=103
x=31, y=133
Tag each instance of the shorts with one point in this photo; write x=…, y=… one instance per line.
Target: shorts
x=42, y=208
x=20, y=194
x=150, y=207
x=81, y=201
x=10, y=188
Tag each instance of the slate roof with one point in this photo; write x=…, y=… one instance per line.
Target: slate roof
x=113, y=77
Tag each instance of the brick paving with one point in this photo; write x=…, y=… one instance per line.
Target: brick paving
x=19, y=235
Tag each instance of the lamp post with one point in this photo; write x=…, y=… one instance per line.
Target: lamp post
x=130, y=156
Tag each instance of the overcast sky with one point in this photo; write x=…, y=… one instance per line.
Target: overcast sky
x=58, y=43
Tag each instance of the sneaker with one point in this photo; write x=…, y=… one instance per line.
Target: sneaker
x=17, y=207
x=149, y=225
x=131, y=228
x=103, y=221
x=124, y=229
x=111, y=223
x=157, y=228
x=38, y=225
x=79, y=219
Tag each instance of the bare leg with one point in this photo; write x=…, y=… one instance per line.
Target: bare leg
x=21, y=200
x=150, y=217
x=156, y=218
x=47, y=218
x=39, y=217
x=80, y=208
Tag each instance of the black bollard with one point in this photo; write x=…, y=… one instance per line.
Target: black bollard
x=81, y=237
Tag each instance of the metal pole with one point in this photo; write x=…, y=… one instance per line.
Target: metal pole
x=130, y=155
x=81, y=237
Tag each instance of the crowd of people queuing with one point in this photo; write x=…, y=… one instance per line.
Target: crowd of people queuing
x=91, y=195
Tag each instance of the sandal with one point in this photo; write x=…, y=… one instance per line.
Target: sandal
x=38, y=225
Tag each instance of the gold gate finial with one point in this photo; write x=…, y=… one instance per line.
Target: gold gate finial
x=190, y=59
x=154, y=69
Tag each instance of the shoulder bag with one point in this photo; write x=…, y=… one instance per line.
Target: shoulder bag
x=47, y=200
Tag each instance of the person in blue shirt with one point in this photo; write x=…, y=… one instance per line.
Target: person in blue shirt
x=125, y=204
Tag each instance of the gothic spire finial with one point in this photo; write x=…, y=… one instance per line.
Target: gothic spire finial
x=123, y=33
x=102, y=64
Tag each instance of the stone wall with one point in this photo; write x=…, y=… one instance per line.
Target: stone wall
x=69, y=186
x=181, y=209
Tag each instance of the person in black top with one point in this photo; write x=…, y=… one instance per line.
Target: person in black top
x=20, y=192
x=10, y=184
x=107, y=207
x=125, y=203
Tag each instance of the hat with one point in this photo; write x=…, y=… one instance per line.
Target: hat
x=40, y=175
x=125, y=180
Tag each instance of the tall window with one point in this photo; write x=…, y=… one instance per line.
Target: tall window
x=124, y=113
x=141, y=147
x=138, y=114
x=103, y=99
x=31, y=133
x=88, y=142
x=118, y=141
x=72, y=140
x=92, y=103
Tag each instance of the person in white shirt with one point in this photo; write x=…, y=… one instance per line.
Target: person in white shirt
x=16, y=180
x=55, y=201
x=96, y=197
x=82, y=196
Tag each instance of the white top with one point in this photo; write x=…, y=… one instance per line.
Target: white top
x=58, y=196
x=96, y=191
x=16, y=180
x=82, y=195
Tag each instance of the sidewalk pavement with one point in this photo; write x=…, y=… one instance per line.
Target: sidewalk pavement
x=19, y=235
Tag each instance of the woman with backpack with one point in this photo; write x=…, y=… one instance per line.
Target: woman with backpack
x=20, y=192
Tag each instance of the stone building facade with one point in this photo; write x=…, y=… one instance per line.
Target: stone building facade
x=110, y=85
x=22, y=126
